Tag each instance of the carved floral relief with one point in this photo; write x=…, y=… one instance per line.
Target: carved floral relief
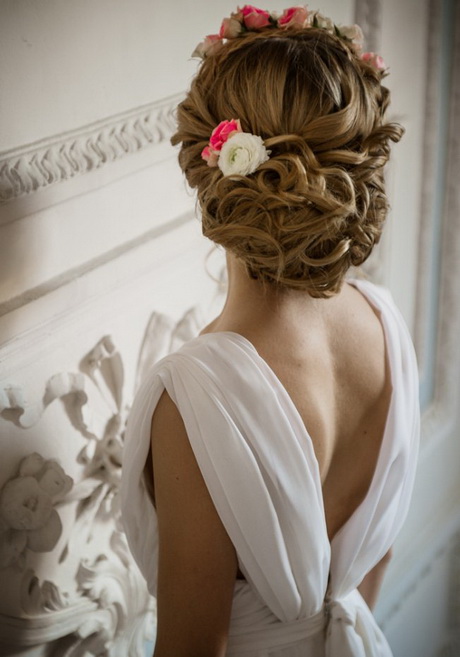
x=28, y=517
x=105, y=609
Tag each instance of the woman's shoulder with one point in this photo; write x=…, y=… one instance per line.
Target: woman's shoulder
x=209, y=360
x=378, y=296
x=395, y=327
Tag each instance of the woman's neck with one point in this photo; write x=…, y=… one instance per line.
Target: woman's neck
x=252, y=304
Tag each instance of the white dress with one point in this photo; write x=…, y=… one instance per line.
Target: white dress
x=299, y=598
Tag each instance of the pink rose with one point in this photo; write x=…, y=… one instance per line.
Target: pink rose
x=222, y=132
x=374, y=60
x=219, y=136
x=293, y=16
x=210, y=156
x=254, y=18
x=230, y=28
x=209, y=46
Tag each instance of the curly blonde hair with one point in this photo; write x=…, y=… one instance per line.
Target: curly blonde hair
x=317, y=206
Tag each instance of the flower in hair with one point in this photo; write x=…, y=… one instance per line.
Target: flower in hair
x=354, y=34
x=219, y=136
x=323, y=22
x=374, y=60
x=235, y=152
x=209, y=46
x=294, y=16
x=230, y=28
x=242, y=154
x=252, y=19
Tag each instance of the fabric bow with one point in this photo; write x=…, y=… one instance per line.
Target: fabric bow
x=352, y=630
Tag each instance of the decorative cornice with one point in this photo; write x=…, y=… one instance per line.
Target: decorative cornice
x=368, y=15
x=33, y=167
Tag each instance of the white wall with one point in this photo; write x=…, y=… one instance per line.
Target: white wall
x=103, y=268
x=419, y=606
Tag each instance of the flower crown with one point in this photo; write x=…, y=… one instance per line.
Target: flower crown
x=240, y=153
x=252, y=19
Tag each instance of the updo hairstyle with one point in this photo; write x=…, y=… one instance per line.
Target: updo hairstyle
x=318, y=204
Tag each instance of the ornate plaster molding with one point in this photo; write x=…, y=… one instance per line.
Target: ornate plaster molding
x=41, y=164
x=28, y=519
x=368, y=15
x=104, y=607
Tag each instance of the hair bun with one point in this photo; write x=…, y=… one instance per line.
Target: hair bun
x=317, y=205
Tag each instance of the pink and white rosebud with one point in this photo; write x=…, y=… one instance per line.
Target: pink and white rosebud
x=210, y=156
x=219, y=136
x=254, y=18
x=294, y=17
x=230, y=28
x=209, y=46
x=374, y=60
x=222, y=132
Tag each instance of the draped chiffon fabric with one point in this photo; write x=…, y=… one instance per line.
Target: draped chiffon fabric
x=299, y=596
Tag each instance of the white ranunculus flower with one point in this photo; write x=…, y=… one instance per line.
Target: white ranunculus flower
x=241, y=154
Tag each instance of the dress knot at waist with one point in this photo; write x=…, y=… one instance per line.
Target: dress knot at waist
x=343, y=627
x=351, y=630
x=275, y=634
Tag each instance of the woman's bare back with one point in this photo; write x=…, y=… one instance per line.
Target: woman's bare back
x=334, y=370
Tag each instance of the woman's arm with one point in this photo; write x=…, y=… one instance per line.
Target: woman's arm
x=370, y=586
x=197, y=562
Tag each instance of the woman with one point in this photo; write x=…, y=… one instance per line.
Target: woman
x=270, y=461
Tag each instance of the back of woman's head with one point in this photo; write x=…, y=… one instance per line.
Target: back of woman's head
x=318, y=203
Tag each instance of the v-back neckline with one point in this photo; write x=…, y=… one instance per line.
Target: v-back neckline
x=378, y=465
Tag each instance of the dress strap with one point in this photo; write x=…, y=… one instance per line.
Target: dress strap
x=256, y=471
